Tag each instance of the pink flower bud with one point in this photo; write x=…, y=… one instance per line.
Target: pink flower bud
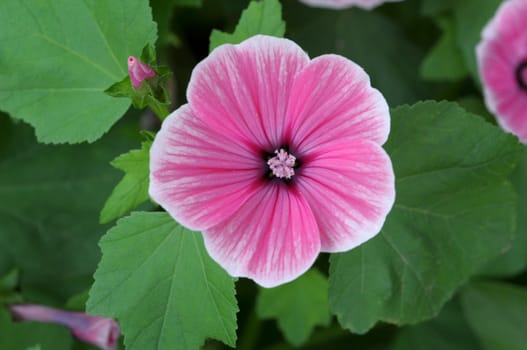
x=99, y=331
x=139, y=71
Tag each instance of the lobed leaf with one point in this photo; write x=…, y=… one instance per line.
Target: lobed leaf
x=454, y=211
x=156, y=277
x=58, y=57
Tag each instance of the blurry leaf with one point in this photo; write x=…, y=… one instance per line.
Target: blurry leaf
x=368, y=38
x=162, y=11
x=263, y=17
x=436, y=7
x=8, y=285
x=78, y=301
x=514, y=260
x=471, y=16
x=475, y=105
x=497, y=312
x=51, y=197
x=448, y=331
x=9, y=280
x=454, y=211
x=158, y=280
x=132, y=190
x=445, y=61
x=298, y=306
x=58, y=57
x=24, y=335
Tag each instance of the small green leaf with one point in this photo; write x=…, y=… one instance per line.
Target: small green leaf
x=158, y=280
x=298, y=306
x=497, y=312
x=9, y=281
x=132, y=190
x=445, y=60
x=454, y=212
x=471, y=16
x=263, y=17
x=24, y=335
x=58, y=57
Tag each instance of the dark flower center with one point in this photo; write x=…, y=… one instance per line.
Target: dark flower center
x=521, y=75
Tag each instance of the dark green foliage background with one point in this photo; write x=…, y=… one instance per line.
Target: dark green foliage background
x=465, y=291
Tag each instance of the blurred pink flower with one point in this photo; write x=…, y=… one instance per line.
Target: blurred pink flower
x=99, y=331
x=275, y=158
x=341, y=4
x=502, y=59
x=139, y=71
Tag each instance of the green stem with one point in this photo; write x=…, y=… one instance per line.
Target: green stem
x=158, y=108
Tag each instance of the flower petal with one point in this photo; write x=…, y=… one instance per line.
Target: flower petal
x=243, y=89
x=350, y=187
x=502, y=50
x=273, y=238
x=332, y=99
x=199, y=176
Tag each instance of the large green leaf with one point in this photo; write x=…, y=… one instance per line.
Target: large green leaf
x=375, y=42
x=454, y=211
x=21, y=336
x=132, y=190
x=497, y=312
x=264, y=17
x=158, y=280
x=50, y=199
x=298, y=306
x=58, y=57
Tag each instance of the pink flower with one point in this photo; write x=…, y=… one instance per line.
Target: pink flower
x=99, y=331
x=341, y=4
x=502, y=59
x=139, y=71
x=275, y=158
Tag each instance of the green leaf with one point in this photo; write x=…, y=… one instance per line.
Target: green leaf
x=10, y=280
x=514, y=257
x=158, y=280
x=448, y=331
x=24, y=335
x=445, y=61
x=454, y=211
x=471, y=16
x=298, y=306
x=58, y=57
x=263, y=17
x=132, y=190
x=435, y=7
x=497, y=312
x=51, y=197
